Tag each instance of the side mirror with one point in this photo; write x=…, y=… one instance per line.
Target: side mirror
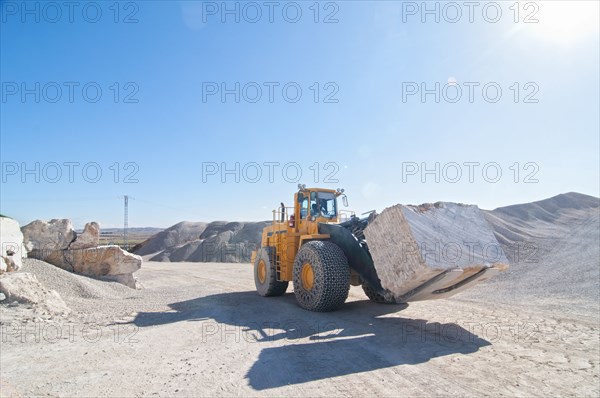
x=345, y=200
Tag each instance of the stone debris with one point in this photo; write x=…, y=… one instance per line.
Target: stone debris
x=11, y=244
x=24, y=288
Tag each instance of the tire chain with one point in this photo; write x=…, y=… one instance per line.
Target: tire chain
x=331, y=276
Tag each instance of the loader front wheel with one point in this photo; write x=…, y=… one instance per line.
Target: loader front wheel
x=265, y=274
x=374, y=296
x=321, y=276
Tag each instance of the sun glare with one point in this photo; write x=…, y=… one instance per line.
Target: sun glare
x=561, y=21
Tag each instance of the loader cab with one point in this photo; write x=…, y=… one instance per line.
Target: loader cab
x=315, y=205
x=323, y=204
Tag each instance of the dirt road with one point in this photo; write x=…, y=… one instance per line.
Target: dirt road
x=200, y=329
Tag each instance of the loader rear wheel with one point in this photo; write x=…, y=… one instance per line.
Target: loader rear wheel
x=321, y=276
x=265, y=274
x=374, y=296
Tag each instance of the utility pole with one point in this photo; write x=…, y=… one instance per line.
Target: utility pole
x=126, y=223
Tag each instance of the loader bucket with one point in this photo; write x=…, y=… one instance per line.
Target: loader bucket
x=414, y=253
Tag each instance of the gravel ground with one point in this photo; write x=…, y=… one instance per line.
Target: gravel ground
x=202, y=330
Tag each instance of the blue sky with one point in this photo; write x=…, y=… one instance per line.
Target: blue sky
x=366, y=127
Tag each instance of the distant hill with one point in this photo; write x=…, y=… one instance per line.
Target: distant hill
x=131, y=230
x=218, y=241
x=136, y=230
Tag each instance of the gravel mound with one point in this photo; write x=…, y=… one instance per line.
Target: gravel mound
x=554, y=249
x=218, y=241
x=73, y=286
x=94, y=300
x=87, y=297
x=176, y=235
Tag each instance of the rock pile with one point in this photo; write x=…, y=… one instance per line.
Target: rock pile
x=57, y=243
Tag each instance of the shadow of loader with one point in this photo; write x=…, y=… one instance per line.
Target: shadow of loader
x=351, y=340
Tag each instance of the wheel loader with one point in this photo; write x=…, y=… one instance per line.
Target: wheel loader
x=323, y=250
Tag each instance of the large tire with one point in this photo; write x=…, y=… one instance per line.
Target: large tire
x=321, y=276
x=374, y=296
x=265, y=274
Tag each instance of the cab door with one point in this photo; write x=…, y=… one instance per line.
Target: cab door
x=304, y=213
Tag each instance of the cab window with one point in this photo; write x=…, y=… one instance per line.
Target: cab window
x=303, y=200
x=327, y=204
